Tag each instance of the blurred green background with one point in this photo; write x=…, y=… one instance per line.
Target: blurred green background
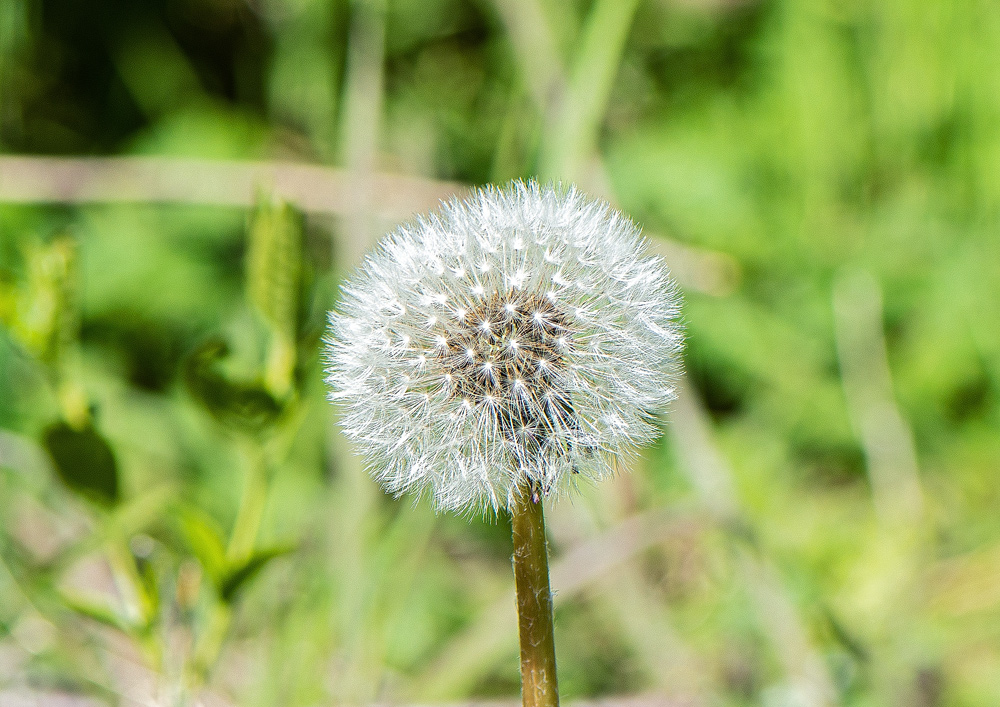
x=179, y=519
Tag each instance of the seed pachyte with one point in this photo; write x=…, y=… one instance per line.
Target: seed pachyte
x=516, y=341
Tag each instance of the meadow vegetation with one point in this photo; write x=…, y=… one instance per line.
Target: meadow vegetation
x=178, y=514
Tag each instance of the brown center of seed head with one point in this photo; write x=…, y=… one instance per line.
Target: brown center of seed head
x=507, y=352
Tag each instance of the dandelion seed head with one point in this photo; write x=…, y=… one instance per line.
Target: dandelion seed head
x=546, y=344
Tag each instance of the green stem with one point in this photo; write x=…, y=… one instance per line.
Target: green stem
x=242, y=541
x=209, y=644
x=534, y=605
x=251, y=511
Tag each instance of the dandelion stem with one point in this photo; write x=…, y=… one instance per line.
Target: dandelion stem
x=534, y=604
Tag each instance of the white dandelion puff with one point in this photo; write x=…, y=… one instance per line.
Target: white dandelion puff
x=518, y=339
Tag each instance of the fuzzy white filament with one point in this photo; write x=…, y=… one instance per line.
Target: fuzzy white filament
x=518, y=338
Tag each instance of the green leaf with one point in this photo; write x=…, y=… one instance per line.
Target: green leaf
x=205, y=541
x=274, y=263
x=244, y=406
x=45, y=318
x=84, y=460
x=98, y=611
x=144, y=509
x=273, y=285
x=239, y=575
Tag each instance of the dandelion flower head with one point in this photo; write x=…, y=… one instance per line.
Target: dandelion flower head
x=517, y=340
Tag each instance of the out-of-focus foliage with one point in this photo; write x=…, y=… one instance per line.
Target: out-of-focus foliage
x=825, y=177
